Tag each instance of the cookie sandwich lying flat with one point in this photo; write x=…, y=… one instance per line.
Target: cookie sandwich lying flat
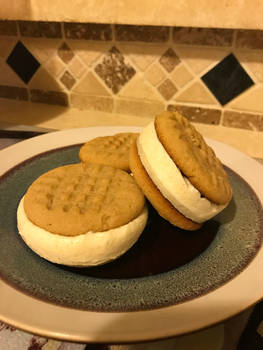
x=109, y=150
x=82, y=214
x=178, y=172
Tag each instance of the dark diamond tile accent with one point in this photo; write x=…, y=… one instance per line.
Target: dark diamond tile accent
x=114, y=71
x=40, y=29
x=88, y=31
x=169, y=60
x=227, y=79
x=13, y=92
x=197, y=114
x=23, y=62
x=203, y=36
x=49, y=97
x=68, y=80
x=155, y=34
x=65, y=53
x=8, y=28
x=249, y=39
x=167, y=89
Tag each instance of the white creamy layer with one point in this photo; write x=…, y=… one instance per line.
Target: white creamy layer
x=88, y=249
x=169, y=180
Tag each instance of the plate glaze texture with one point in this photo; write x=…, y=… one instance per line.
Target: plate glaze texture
x=165, y=267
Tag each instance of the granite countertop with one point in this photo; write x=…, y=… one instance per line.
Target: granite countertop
x=60, y=118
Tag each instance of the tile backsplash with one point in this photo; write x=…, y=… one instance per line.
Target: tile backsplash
x=213, y=76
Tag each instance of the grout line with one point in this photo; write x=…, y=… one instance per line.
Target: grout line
x=170, y=37
x=63, y=36
x=17, y=29
x=19, y=35
x=234, y=39
x=113, y=30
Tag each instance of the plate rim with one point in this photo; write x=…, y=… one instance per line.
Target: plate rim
x=110, y=327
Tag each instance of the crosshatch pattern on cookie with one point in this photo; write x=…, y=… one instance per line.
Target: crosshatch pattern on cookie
x=121, y=142
x=82, y=193
x=200, y=164
x=109, y=150
x=78, y=198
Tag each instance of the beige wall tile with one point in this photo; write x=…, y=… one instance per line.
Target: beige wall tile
x=200, y=59
x=138, y=107
x=142, y=55
x=55, y=66
x=76, y=67
x=43, y=80
x=6, y=45
x=89, y=52
x=158, y=77
x=251, y=100
x=8, y=76
x=139, y=88
x=96, y=103
x=181, y=76
x=155, y=74
x=42, y=49
x=196, y=93
x=90, y=85
x=252, y=61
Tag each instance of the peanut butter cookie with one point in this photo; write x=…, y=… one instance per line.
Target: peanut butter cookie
x=77, y=198
x=109, y=150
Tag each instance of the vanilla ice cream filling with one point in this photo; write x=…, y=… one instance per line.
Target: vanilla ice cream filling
x=170, y=181
x=88, y=249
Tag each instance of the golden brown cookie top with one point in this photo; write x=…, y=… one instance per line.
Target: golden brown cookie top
x=74, y=199
x=109, y=150
x=196, y=160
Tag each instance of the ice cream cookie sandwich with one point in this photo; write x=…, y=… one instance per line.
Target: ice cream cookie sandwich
x=178, y=172
x=82, y=214
x=109, y=150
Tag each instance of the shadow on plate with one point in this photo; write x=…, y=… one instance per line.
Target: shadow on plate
x=161, y=248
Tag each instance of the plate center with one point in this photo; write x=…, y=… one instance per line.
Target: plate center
x=161, y=248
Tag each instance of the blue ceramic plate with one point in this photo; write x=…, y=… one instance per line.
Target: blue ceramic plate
x=166, y=269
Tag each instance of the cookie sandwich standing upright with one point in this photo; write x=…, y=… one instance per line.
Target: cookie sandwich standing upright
x=82, y=214
x=178, y=172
